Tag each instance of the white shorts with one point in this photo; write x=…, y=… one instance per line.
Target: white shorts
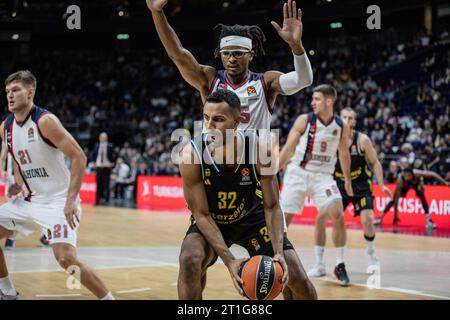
x=23, y=218
x=299, y=183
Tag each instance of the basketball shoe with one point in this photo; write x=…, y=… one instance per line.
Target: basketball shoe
x=317, y=271
x=340, y=274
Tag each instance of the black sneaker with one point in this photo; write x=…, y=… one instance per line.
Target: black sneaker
x=340, y=274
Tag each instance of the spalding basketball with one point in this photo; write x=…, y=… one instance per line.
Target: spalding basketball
x=262, y=278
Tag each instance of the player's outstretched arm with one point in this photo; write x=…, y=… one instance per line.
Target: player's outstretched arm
x=198, y=76
x=195, y=195
x=273, y=215
x=52, y=129
x=344, y=158
x=369, y=150
x=296, y=132
x=430, y=174
x=291, y=32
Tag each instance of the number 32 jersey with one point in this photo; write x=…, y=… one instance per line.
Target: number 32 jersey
x=317, y=149
x=255, y=109
x=41, y=165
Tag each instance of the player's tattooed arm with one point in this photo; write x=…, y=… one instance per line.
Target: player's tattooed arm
x=296, y=132
x=197, y=75
x=195, y=195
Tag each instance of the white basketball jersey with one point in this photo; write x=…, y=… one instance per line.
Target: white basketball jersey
x=45, y=175
x=317, y=149
x=255, y=109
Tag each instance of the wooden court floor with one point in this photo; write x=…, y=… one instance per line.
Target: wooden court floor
x=136, y=254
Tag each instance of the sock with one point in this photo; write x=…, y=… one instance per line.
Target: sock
x=108, y=296
x=319, y=254
x=339, y=255
x=370, y=244
x=7, y=286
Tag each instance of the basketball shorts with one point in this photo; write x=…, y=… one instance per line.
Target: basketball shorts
x=253, y=237
x=24, y=217
x=360, y=203
x=299, y=183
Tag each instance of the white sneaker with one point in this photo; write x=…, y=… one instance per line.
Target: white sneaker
x=374, y=263
x=317, y=271
x=9, y=297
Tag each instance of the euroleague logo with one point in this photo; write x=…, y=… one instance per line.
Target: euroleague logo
x=246, y=180
x=251, y=90
x=30, y=135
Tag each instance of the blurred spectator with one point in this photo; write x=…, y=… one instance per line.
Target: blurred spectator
x=392, y=173
x=104, y=158
x=122, y=173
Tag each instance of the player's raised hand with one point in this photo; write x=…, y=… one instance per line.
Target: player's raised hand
x=234, y=267
x=156, y=5
x=71, y=213
x=292, y=29
x=280, y=258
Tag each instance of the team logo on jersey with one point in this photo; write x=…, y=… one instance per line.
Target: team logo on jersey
x=246, y=180
x=335, y=132
x=30, y=134
x=255, y=244
x=251, y=90
x=207, y=172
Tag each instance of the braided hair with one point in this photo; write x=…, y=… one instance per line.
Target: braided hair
x=253, y=32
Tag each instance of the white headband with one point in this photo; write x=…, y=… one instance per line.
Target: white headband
x=236, y=41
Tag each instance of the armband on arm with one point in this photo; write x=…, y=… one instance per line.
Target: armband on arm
x=302, y=77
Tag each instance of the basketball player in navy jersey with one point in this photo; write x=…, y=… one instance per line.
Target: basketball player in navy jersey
x=237, y=47
x=37, y=141
x=232, y=202
x=309, y=155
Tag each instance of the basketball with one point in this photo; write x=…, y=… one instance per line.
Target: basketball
x=262, y=278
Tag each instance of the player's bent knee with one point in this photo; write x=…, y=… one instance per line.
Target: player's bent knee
x=5, y=233
x=191, y=263
x=66, y=260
